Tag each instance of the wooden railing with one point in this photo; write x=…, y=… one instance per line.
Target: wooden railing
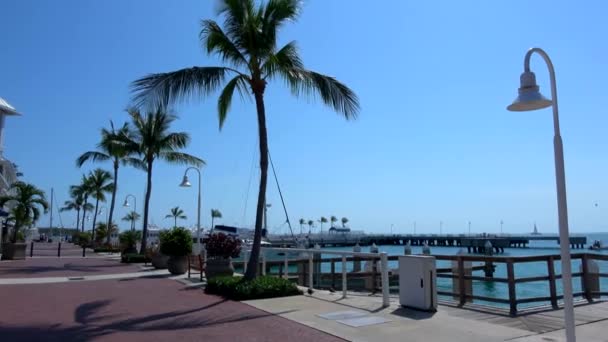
x=512, y=280
x=305, y=270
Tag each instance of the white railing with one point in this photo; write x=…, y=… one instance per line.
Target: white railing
x=311, y=252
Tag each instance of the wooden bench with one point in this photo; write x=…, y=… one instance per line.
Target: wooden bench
x=197, y=263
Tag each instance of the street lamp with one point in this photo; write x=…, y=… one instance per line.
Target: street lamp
x=186, y=184
x=102, y=209
x=126, y=205
x=530, y=98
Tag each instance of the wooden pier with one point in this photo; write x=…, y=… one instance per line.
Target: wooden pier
x=473, y=243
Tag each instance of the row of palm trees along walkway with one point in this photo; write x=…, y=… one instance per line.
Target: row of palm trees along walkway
x=246, y=43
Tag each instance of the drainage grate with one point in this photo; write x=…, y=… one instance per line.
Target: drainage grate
x=75, y=278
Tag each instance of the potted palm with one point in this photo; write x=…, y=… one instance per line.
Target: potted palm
x=177, y=244
x=25, y=201
x=221, y=248
x=128, y=241
x=158, y=259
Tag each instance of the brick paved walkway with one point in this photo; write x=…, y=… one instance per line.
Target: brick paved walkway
x=144, y=309
x=62, y=267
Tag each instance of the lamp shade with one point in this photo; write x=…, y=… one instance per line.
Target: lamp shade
x=185, y=182
x=529, y=97
x=125, y=204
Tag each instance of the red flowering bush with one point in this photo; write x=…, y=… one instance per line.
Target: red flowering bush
x=222, y=245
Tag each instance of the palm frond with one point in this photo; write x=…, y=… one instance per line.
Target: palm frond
x=135, y=162
x=181, y=158
x=93, y=156
x=275, y=15
x=225, y=100
x=283, y=62
x=214, y=40
x=333, y=93
x=176, y=140
x=159, y=90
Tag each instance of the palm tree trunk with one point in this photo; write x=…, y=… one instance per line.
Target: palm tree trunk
x=252, y=267
x=212, y=218
x=77, y=219
x=94, y=220
x=175, y=224
x=112, y=202
x=144, y=237
x=84, y=212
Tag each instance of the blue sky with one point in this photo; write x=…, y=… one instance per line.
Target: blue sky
x=433, y=142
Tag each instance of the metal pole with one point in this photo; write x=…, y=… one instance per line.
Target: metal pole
x=343, y=275
x=385, y=285
x=562, y=206
x=286, y=267
x=51, y=223
x=198, y=214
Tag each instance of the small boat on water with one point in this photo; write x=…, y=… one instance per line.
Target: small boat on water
x=597, y=246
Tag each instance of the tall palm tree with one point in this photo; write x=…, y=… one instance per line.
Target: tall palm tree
x=152, y=139
x=247, y=43
x=111, y=148
x=333, y=221
x=25, y=200
x=302, y=223
x=76, y=203
x=176, y=213
x=321, y=221
x=101, y=183
x=215, y=213
x=131, y=217
x=310, y=224
x=102, y=231
x=83, y=190
x=344, y=222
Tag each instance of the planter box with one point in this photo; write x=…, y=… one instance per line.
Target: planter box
x=13, y=251
x=219, y=267
x=159, y=261
x=177, y=264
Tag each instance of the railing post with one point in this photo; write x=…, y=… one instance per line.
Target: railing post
x=385, y=285
x=511, y=279
x=586, y=281
x=310, y=270
x=333, y=274
x=286, y=263
x=244, y=262
x=343, y=275
x=264, y=264
x=32, y=249
x=461, y=289
x=552, y=287
x=84, y=251
x=59, y=250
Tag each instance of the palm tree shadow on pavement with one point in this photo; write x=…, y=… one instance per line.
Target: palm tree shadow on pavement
x=90, y=323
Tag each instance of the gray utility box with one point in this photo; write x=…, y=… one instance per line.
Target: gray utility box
x=418, y=282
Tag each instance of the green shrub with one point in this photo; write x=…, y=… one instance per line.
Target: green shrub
x=237, y=288
x=176, y=242
x=20, y=236
x=84, y=239
x=106, y=249
x=128, y=240
x=130, y=258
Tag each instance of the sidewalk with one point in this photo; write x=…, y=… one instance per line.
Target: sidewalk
x=43, y=267
x=447, y=324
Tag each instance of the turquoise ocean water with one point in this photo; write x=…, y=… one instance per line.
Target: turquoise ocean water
x=500, y=290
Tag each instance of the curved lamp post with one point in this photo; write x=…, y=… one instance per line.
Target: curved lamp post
x=530, y=98
x=186, y=184
x=126, y=205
